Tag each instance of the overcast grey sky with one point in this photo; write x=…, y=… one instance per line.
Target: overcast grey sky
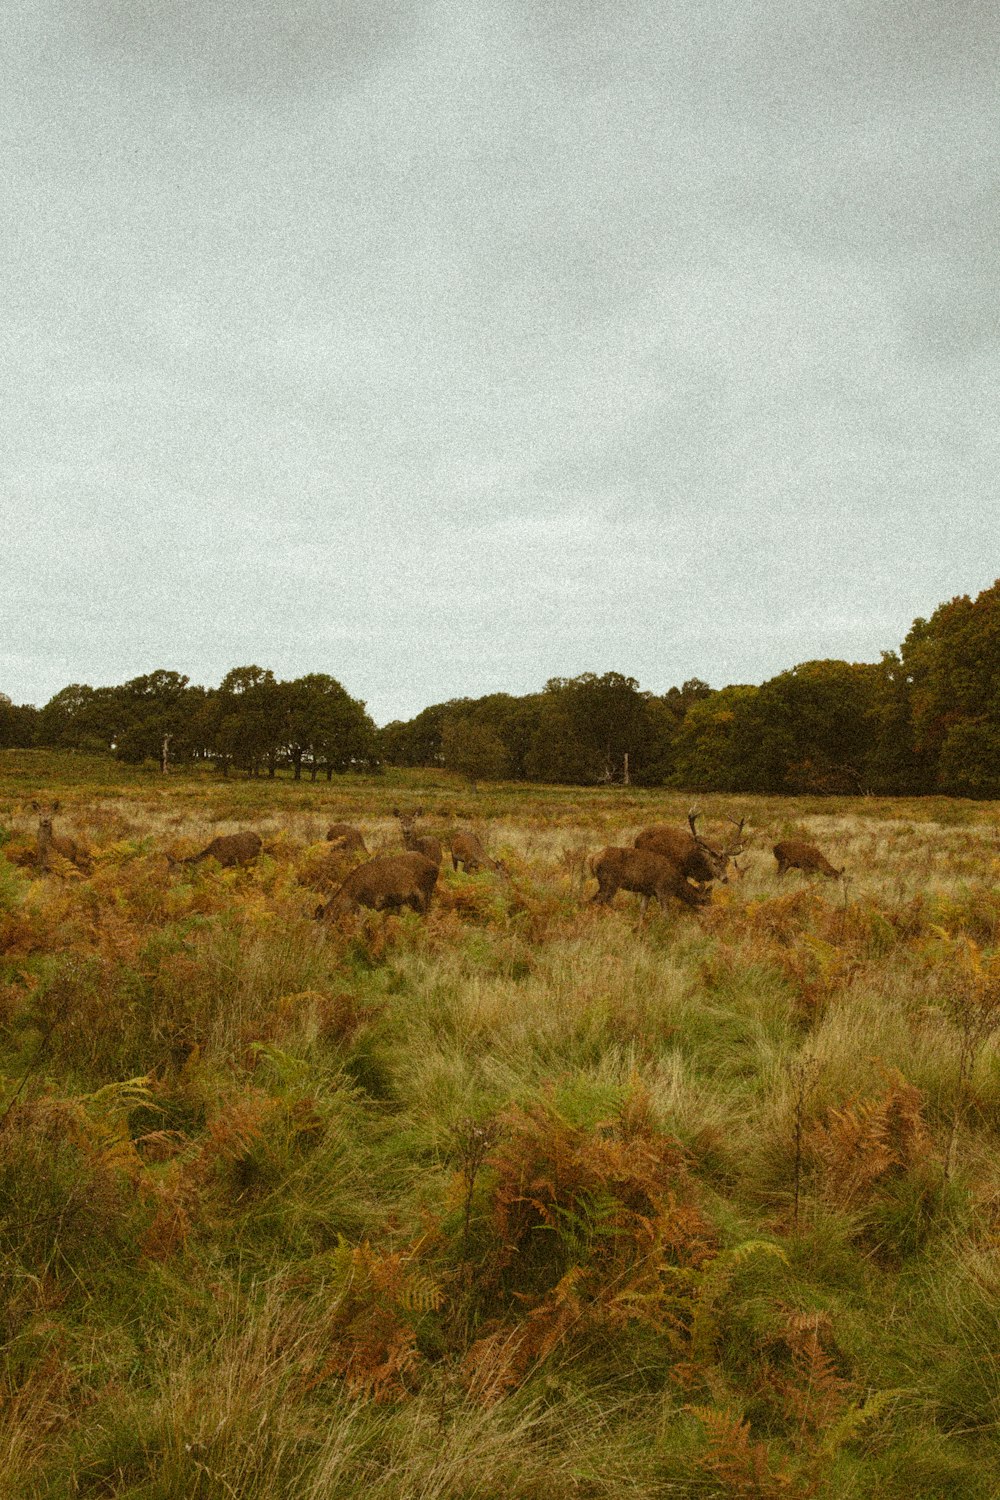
x=447, y=347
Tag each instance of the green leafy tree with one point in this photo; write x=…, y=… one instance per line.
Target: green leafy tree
x=952, y=666
x=664, y=716
x=557, y=752
x=250, y=729
x=18, y=724
x=470, y=747
x=201, y=730
x=894, y=766
x=80, y=717
x=587, y=725
x=416, y=741
x=969, y=761
x=810, y=730
x=510, y=721
x=711, y=744
x=152, y=709
x=325, y=726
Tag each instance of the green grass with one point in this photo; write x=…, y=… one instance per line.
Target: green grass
x=527, y=1198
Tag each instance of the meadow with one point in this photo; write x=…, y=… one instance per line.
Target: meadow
x=524, y=1198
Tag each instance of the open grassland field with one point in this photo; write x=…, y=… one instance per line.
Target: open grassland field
x=527, y=1197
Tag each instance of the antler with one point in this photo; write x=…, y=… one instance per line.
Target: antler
x=740, y=844
x=693, y=816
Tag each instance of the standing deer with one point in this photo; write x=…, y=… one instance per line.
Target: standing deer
x=385, y=883
x=229, y=849
x=646, y=873
x=429, y=847
x=467, y=851
x=50, y=843
x=687, y=848
x=346, y=837
x=802, y=856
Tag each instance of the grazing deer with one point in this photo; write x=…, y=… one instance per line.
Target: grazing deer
x=346, y=837
x=802, y=856
x=467, y=851
x=50, y=843
x=229, y=849
x=647, y=874
x=698, y=860
x=385, y=883
x=429, y=847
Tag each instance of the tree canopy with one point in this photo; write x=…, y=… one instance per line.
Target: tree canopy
x=923, y=719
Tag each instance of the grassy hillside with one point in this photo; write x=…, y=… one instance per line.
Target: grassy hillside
x=527, y=1198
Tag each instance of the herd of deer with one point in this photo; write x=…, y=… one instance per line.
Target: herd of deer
x=663, y=862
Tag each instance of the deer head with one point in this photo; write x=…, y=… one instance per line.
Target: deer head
x=719, y=859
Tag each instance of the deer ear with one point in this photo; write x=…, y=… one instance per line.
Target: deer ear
x=37, y=806
x=419, y=812
x=56, y=806
x=395, y=812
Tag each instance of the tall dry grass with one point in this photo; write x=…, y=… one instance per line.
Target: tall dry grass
x=733, y=1229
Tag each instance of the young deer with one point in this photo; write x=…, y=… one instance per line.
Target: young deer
x=229, y=849
x=467, y=851
x=429, y=847
x=802, y=856
x=50, y=843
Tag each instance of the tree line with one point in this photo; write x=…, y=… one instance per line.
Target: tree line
x=924, y=719
x=251, y=722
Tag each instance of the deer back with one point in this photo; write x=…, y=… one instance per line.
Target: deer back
x=467, y=850
x=388, y=881
x=645, y=872
x=800, y=855
x=229, y=849
x=345, y=836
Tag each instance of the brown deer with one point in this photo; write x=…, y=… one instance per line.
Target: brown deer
x=698, y=860
x=647, y=874
x=228, y=849
x=346, y=837
x=429, y=847
x=50, y=843
x=467, y=851
x=385, y=883
x=802, y=856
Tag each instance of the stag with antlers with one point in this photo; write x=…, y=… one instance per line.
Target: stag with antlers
x=696, y=858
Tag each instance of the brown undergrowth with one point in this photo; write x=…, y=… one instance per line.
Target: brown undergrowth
x=723, y=1181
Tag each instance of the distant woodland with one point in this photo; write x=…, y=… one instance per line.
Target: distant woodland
x=924, y=719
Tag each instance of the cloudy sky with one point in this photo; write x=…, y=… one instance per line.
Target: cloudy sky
x=451, y=345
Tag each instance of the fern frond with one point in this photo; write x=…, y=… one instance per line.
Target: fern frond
x=119, y=1098
x=712, y=1285
x=847, y=1426
x=420, y=1294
